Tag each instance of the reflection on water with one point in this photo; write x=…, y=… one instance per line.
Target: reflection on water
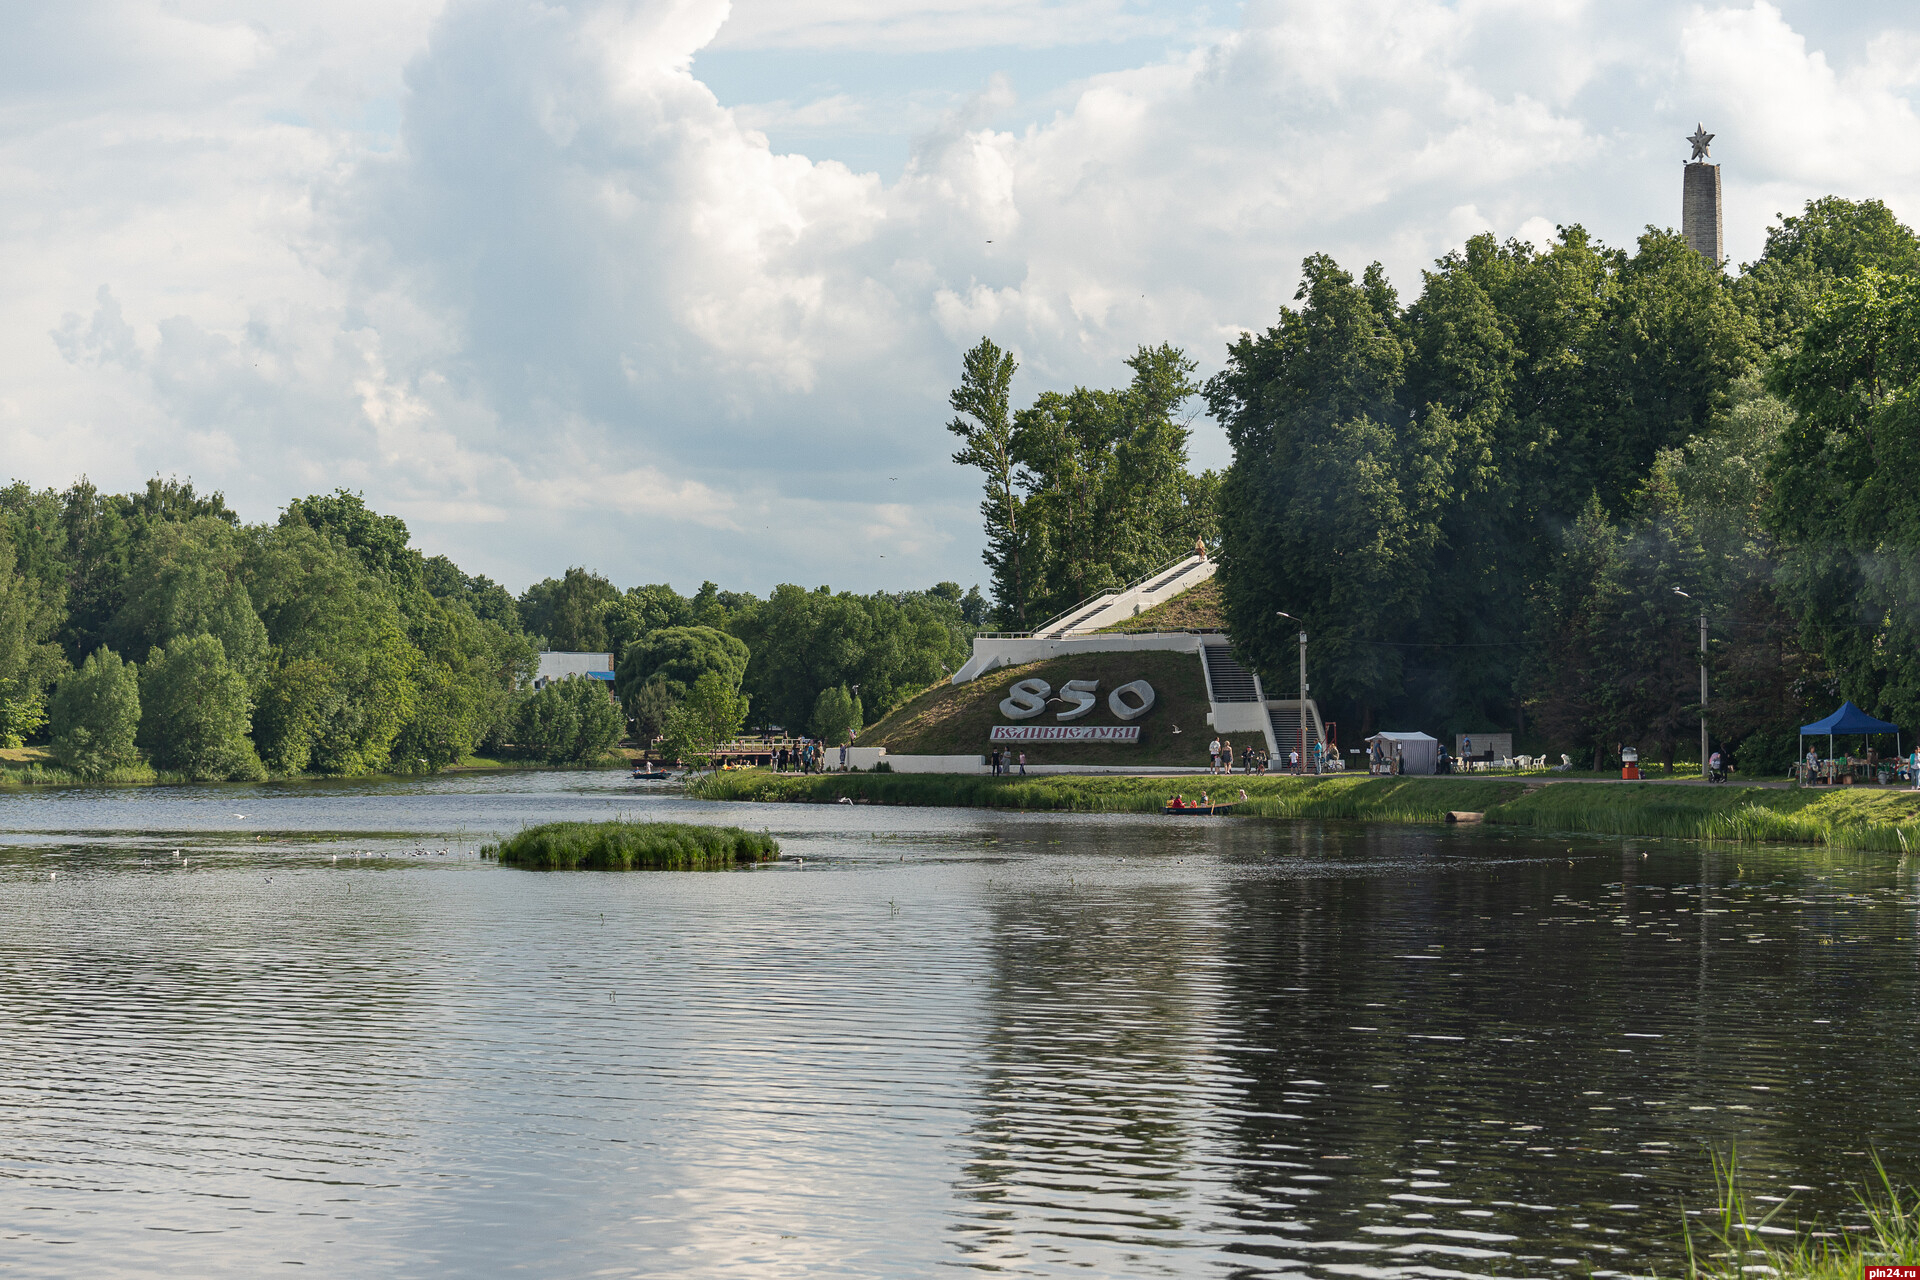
x=254, y=1026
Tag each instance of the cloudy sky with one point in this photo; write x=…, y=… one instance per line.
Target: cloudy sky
x=675, y=289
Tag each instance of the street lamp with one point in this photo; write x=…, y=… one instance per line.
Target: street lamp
x=1303, y=689
x=1703, y=684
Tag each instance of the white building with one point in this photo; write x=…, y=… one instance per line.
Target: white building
x=558, y=666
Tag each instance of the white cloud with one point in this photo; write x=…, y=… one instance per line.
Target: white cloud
x=514, y=270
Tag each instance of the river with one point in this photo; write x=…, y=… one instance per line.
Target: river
x=245, y=1027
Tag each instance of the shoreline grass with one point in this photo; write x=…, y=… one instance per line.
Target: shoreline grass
x=1735, y=1243
x=622, y=845
x=1873, y=820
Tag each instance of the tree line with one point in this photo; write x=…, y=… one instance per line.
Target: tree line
x=1503, y=505
x=157, y=631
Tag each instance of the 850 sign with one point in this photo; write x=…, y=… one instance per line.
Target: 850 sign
x=1028, y=699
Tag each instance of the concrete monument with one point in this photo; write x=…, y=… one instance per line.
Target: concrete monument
x=1700, y=201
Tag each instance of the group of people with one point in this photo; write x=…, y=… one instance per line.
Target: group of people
x=1220, y=755
x=1872, y=767
x=805, y=757
x=1003, y=762
x=1205, y=802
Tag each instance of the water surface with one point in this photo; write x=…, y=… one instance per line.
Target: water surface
x=254, y=1026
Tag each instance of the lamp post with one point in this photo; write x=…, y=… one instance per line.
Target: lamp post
x=1303, y=691
x=1703, y=684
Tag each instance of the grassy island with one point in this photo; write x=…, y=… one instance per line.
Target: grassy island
x=1843, y=818
x=632, y=846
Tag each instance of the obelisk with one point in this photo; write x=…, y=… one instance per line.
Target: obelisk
x=1700, y=201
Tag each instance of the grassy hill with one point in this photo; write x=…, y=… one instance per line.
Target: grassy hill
x=1196, y=609
x=952, y=720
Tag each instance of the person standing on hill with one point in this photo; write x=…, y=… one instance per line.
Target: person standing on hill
x=1213, y=756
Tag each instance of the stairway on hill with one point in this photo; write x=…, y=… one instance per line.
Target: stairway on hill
x=1227, y=680
x=1286, y=728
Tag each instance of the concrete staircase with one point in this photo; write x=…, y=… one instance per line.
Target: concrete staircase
x=1161, y=585
x=1227, y=680
x=1283, y=718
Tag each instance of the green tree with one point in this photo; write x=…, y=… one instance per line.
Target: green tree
x=569, y=612
x=804, y=641
x=1845, y=500
x=984, y=422
x=568, y=721
x=102, y=534
x=95, y=715
x=185, y=578
x=648, y=709
x=710, y=715
x=29, y=660
x=343, y=683
x=489, y=601
x=677, y=656
x=194, y=712
x=1833, y=239
x=836, y=716
x=641, y=611
x=380, y=541
x=1403, y=478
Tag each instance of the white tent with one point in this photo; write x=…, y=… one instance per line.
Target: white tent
x=1418, y=752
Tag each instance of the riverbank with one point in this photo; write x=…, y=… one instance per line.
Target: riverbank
x=1847, y=818
x=32, y=768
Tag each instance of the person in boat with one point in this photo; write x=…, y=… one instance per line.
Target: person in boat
x=1206, y=801
x=1178, y=802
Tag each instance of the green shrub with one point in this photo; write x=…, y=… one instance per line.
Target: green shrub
x=632, y=846
x=96, y=714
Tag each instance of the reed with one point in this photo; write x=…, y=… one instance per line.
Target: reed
x=620, y=845
x=1735, y=1243
x=40, y=774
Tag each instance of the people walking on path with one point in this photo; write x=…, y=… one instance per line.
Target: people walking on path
x=1023, y=764
x=1213, y=756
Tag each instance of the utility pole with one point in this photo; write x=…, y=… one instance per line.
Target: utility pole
x=1703, y=684
x=1303, y=705
x=1703, y=693
x=1303, y=692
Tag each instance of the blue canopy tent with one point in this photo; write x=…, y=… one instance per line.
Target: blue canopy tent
x=1848, y=719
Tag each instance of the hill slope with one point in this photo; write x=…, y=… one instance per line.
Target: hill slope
x=1196, y=609
x=952, y=720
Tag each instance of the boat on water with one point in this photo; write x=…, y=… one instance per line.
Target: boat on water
x=651, y=775
x=1200, y=810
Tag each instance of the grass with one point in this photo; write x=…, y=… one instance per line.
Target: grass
x=1735, y=1243
x=954, y=720
x=32, y=767
x=1198, y=608
x=620, y=845
x=1368, y=799
x=1841, y=819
